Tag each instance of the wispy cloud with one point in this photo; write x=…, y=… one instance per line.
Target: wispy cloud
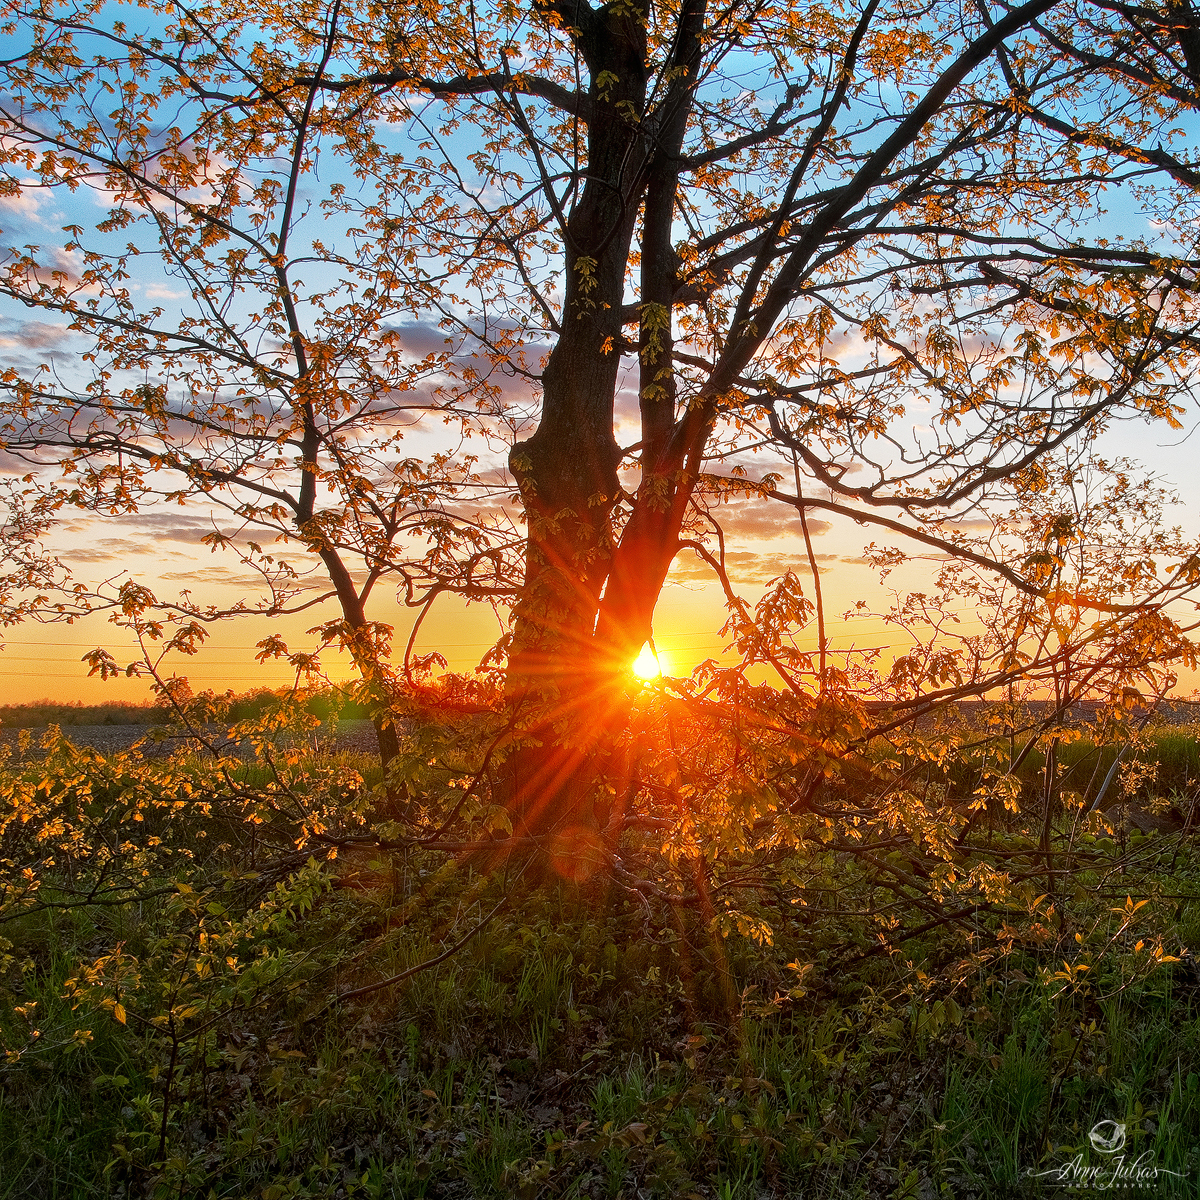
x=745, y=567
x=33, y=335
x=754, y=519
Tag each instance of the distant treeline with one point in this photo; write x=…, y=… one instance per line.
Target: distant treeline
x=240, y=707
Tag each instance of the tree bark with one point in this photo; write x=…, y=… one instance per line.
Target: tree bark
x=563, y=686
x=587, y=603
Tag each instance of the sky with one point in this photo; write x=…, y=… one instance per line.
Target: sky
x=162, y=548
x=43, y=661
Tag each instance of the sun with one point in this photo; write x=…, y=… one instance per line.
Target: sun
x=647, y=665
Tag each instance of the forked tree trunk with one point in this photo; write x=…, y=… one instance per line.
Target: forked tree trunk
x=565, y=686
x=562, y=687
x=586, y=605
x=570, y=687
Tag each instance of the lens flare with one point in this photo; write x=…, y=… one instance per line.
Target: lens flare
x=647, y=664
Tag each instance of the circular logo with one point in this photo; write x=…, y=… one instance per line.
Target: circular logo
x=1107, y=1136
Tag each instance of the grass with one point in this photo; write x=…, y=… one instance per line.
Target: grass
x=584, y=1044
x=1163, y=760
x=539, y=1066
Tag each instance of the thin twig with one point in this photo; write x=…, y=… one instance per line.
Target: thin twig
x=367, y=989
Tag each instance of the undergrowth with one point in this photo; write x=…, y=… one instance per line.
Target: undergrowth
x=196, y=1002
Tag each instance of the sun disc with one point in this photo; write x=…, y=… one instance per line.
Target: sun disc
x=647, y=665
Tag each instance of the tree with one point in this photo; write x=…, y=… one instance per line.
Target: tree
x=796, y=226
x=281, y=403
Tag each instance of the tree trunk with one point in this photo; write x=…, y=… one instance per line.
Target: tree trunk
x=565, y=687
x=364, y=650
x=560, y=683
x=360, y=639
x=586, y=606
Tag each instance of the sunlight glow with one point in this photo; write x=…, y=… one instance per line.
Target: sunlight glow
x=647, y=665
